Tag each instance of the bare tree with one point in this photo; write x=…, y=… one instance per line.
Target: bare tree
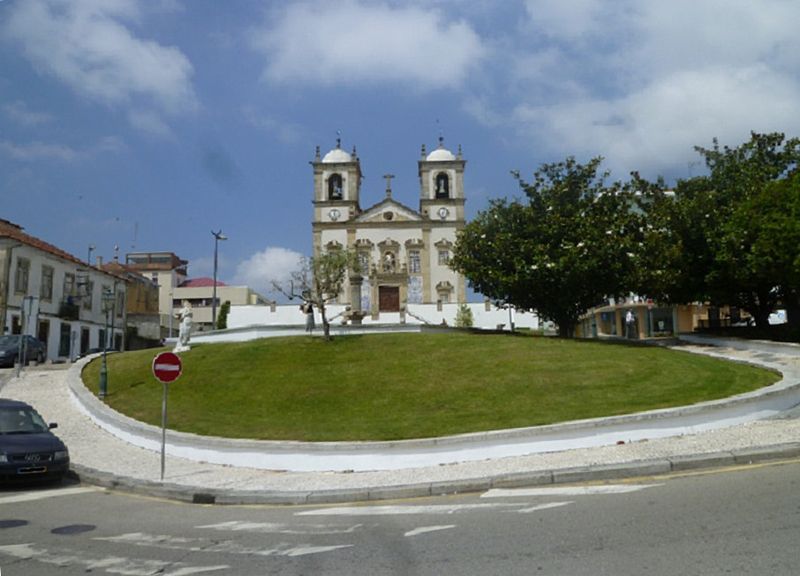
x=319, y=280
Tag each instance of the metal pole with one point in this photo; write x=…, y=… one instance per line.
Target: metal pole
x=214, y=289
x=163, y=429
x=217, y=237
x=103, y=385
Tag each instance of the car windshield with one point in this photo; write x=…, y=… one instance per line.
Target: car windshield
x=21, y=420
x=9, y=339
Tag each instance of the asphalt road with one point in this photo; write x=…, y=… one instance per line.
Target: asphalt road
x=735, y=521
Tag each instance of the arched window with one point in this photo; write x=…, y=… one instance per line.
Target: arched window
x=335, y=187
x=442, y=185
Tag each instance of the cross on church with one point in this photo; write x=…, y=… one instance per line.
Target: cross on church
x=388, y=184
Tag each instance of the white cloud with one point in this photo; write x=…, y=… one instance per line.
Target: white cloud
x=284, y=131
x=35, y=151
x=86, y=45
x=351, y=42
x=645, y=81
x=20, y=113
x=38, y=151
x=149, y=122
x=262, y=268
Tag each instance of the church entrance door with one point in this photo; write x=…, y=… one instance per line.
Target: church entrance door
x=389, y=298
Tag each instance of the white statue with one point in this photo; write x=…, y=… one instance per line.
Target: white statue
x=185, y=316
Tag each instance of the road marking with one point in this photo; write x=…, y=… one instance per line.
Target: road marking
x=112, y=564
x=426, y=529
x=566, y=490
x=543, y=507
x=399, y=510
x=275, y=528
x=42, y=494
x=224, y=546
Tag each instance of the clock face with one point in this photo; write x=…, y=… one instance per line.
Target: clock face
x=334, y=214
x=443, y=212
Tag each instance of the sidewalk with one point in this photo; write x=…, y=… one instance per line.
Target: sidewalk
x=99, y=457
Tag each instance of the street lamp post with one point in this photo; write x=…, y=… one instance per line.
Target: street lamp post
x=217, y=237
x=108, y=304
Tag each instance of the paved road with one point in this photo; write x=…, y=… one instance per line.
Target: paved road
x=734, y=521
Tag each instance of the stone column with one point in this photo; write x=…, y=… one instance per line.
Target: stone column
x=355, y=298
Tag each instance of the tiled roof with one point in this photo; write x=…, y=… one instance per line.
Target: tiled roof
x=15, y=232
x=200, y=283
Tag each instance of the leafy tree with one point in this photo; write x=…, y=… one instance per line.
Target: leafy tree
x=729, y=237
x=464, y=318
x=319, y=280
x=563, y=251
x=222, y=318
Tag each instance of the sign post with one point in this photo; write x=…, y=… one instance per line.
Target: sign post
x=166, y=368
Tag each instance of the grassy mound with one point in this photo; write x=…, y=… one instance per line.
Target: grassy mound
x=398, y=386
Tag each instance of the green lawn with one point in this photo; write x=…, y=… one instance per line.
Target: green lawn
x=396, y=386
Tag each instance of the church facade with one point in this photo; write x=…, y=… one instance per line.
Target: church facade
x=403, y=253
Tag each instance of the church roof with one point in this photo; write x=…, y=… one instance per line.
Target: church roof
x=441, y=154
x=337, y=155
x=391, y=207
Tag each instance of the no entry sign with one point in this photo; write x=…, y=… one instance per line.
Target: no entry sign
x=167, y=367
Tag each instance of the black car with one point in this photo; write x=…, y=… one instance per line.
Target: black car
x=9, y=349
x=28, y=449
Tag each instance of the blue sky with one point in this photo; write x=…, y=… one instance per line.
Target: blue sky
x=146, y=124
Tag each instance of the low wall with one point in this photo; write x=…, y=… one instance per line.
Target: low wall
x=291, y=315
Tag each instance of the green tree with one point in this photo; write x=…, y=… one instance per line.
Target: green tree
x=730, y=237
x=464, y=318
x=566, y=249
x=222, y=318
x=319, y=280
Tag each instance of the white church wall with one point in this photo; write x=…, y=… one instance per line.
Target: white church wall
x=291, y=315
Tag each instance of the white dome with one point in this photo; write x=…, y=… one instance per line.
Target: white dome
x=440, y=155
x=337, y=155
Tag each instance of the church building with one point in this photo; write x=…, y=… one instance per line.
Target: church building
x=403, y=253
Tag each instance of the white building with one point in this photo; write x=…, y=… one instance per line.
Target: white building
x=403, y=253
x=48, y=293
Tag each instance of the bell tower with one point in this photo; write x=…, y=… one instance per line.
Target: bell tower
x=337, y=185
x=441, y=178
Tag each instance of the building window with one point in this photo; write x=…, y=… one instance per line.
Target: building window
x=444, y=257
x=69, y=286
x=442, y=185
x=21, y=279
x=120, y=304
x=335, y=187
x=363, y=263
x=46, y=287
x=89, y=293
x=414, y=266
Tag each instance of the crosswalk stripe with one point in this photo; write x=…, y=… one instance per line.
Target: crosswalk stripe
x=543, y=507
x=566, y=490
x=42, y=494
x=222, y=546
x=277, y=528
x=426, y=529
x=399, y=510
x=111, y=564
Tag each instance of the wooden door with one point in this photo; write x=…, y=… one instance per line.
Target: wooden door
x=389, y=298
